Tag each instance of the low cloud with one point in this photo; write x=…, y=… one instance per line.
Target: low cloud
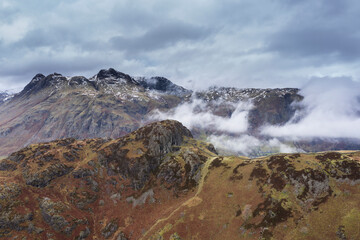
x=198, y=114
x=249, y=145
x=329, y=113
x=228, y=133
x=330, y=109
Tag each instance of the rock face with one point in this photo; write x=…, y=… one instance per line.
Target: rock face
x=160, y=183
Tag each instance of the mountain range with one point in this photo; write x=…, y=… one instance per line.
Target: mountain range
x=111, y=104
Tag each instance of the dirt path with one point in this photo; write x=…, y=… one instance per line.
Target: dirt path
x=193, y=201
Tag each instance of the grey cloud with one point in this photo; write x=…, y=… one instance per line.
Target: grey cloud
x=160, y=37
x=238, y=43
x=330, y=110
x=133, y=16
x=336, y=44
x=322, y=29
x=7, y=14
x=56, y=38
x=49, y=65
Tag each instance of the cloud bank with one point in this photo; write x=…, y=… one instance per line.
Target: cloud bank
x=331, y=109
x=197, y=114
x=329, y=112
x=227, y=133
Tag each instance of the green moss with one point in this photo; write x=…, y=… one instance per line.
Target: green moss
x=351, y=222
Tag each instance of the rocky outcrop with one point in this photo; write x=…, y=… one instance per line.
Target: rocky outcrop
x=140, y=154
x=51, y=211
x=173, y=173
x=160, y=137
x=43, y=178
x=109, y=229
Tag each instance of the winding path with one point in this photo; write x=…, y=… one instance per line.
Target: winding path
x=193, y=201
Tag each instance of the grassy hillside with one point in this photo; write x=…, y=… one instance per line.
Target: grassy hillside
x=160, y=183
x=296, y=196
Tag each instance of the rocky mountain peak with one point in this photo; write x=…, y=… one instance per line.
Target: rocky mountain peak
x=40, y=82
x=160, y=136
x=158, y=83
x=163, y=85
x=38, y=77
x=111, y=76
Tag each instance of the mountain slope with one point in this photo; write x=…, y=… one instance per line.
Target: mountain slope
x=160, y=183
x=112, y=104
x=73, y=189
x=294, y=196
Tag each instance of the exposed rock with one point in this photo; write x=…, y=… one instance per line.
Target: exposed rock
x=111, y=76
x=142, y=199
x=43, y=178
x=83, y=234
x=121, y=236
x=161, y=136
x=82, y=172
x=157, y=140
x=82, y=199
x=109, y=229
x=51, y=211
x=164, y=85
x=7, y=165
x=115, y=197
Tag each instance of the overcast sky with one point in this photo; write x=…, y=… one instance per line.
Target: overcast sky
x=195, y=43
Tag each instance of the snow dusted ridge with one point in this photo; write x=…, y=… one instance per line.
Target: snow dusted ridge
x=8, y=94
x=231, y=94
x=123, y=86
x=108, y=81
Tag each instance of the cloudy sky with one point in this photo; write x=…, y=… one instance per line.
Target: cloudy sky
x=195, y=43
